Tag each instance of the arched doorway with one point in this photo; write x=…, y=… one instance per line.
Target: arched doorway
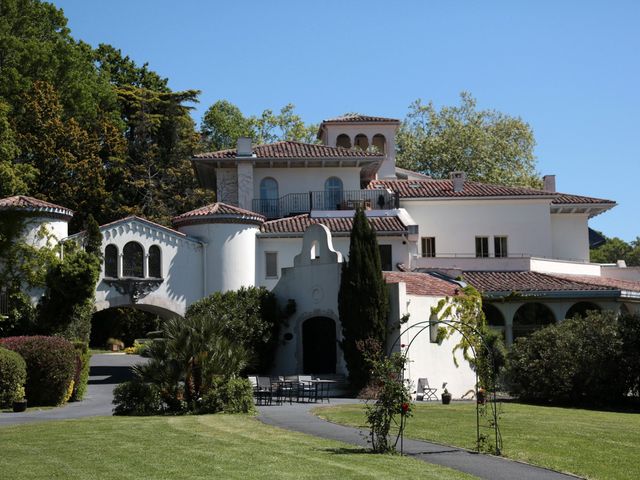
x=581, y=309
x=531, y=317
x=319, y=345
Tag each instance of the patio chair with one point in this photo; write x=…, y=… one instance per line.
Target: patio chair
x=264, y=392
x=424, y=390
x=307, y=390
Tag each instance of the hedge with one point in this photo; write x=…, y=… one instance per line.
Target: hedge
x=81, y=376
x=13, y=375
x=51, y=367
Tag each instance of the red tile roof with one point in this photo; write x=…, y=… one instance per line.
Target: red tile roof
x=627, y=285
x=432, y=188
x=500, y=282
x=21, y=202
x=423, y=283
x=293, y=150
x=218, y=212
x=361, y=119
x=299, y=223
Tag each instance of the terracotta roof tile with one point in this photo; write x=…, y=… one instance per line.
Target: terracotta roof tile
x=220, y=210
x=423, y=283
x=293, y=150
x=443, y=188
x=360, y=119
x=498, y=282
x=299, y=223
x=21, y=202
x=628, y=285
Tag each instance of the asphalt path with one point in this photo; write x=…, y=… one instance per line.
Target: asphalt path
x=298, y=417
x=106, y=371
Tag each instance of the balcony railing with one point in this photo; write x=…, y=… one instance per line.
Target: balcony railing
x=297, y=203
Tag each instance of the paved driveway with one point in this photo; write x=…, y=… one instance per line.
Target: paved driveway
x=107, y=370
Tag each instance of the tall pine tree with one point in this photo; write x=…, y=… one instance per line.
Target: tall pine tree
x=363, y=301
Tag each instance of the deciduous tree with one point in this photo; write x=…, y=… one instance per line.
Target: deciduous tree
x=488, y=145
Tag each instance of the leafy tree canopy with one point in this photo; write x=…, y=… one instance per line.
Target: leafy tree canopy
x=488, y=145
x=614, y=249
x=224, y=123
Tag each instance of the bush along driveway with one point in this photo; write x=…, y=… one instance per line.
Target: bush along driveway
x=107, y=370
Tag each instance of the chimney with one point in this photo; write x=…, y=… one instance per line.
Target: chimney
x=458, y=179
x=243, y=148
x=549, y=183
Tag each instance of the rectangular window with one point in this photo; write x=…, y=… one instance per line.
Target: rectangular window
x=500, y=246
x=482, y=247
x=386, y=258
x=271, y=260
x=428, y=246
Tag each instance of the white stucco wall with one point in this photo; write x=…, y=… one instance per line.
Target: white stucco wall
x=42, y=231
x=304, y=180
x=570, y=236
x=230, y=254
x=387, y=169
x=288, y=248
x=456, y=223
x=426, y=359
x=181, y=264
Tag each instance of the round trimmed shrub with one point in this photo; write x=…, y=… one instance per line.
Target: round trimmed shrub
x=13, y=375
x=51, y=367
x=136, y=397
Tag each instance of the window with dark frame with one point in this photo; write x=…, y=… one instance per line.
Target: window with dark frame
x=386, y=257
x=132, y=260
x=482, y=247
x=111, y=261
x=500, y=247
x=155, y=267
x=271, y=260
x=428, y=246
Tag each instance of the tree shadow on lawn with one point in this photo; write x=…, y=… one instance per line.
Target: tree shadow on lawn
x=109, y=375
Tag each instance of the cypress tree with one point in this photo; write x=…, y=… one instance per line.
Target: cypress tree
x=363, y=302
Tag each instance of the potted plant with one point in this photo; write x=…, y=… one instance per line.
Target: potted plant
x=115, y=344
x=481, y=397
x=446, y=396
x=19, y=402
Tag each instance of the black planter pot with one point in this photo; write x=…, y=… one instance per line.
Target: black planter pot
x=19, y=406
x=446, y=398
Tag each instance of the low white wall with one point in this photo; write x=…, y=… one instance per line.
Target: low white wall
x=628, y=273
x=545, y=265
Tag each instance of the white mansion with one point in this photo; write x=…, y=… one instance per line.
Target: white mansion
x=283, y=221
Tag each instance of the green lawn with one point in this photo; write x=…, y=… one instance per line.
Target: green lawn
x=189, y=447
x=597, y=445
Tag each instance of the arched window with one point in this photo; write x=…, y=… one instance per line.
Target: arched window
x=581, y=309
x=379, y=142
x=531, y=317
x=111, y=261
x=332, y=193
x=269, y=197
x=133, y=257
x=155, y=265
x=495, y=319
x=361, y=141
x=343, y=141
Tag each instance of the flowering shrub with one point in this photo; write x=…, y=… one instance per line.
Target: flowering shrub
x=392, y=403
x=51, y=367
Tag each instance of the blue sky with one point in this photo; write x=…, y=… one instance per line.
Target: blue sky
x=571, y=69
